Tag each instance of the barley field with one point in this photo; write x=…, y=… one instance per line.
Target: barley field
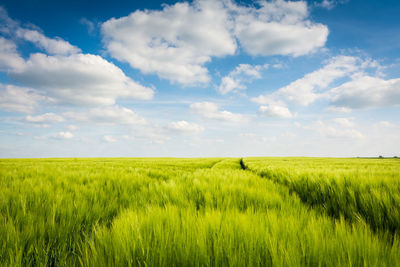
x=200, y=212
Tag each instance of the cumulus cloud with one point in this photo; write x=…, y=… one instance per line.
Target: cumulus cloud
x=9, y=57
x=45, y=118
x=64, y=73
x=308, y=89
x=7, y=25
x=278, y=28
x=81, y=79
x=177, y=41
x=386, y=124
x=62, y=135
x=345, y=122
x=107, y=115
x=185, y=127
x=275, y=109
x=19, y=99
x=109, y=138
x=54, y=46
x=334, y=131
x=334, y=109
x=72, y=127
x=210, y=110
x=364, y=91
x=236, y=79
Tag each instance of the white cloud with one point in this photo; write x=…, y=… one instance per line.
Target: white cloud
x=177, y=41
x=62, y=135
x=9, y=57
x=7, y=25
x=45, y=118
x=275, y=109
x=279, y=65
x=55, y=46
x=43, y=126
x=109, y=139
x=107, y=115
x=185, y=127
x=248, y=135
x=90, y=25
x=72, y=127
x=66, y=76
x=331, y=131
x=363, y=91
x=236, y=79
x=19, y=99
x=81, y=79
x=345, y=122
x=211, y=110
x=366, y=92
x=338, y=109
x=229, y=84
x=330, y=4
x=278, y=28
x=386, y=124
x=308, y=89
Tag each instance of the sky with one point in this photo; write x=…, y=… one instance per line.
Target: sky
x=203, y=78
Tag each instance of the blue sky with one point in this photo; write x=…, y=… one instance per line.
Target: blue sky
x=199, y=78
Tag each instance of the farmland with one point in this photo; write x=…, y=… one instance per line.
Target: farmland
x=200, y=212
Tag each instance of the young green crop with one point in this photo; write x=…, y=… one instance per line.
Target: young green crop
x=358, y=189
x=169, y=212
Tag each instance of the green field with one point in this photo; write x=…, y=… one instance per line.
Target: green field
x=200, y=212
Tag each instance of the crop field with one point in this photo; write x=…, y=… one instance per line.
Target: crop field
x=200, y=212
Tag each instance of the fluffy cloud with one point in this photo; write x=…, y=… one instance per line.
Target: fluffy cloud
x=177, y=41
x=211, y=110
x=345, y=122
x=72, y=127
x=362, y=91
x=278, y=28
x=185, y=127
x=386, y=124
x=19, y=99
x=107, y=115
x=44, y=118
x=308, y=89
x=62, y=135
x=81, y=79
x=174, y=42
x=366, y=92
x=9, y=57
x=329, y=130
x=7, y=25
x=338, y=109
x=65, y=75
x=275, y=109
x=56, y=46
x=236, y=79
x=109, y=139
